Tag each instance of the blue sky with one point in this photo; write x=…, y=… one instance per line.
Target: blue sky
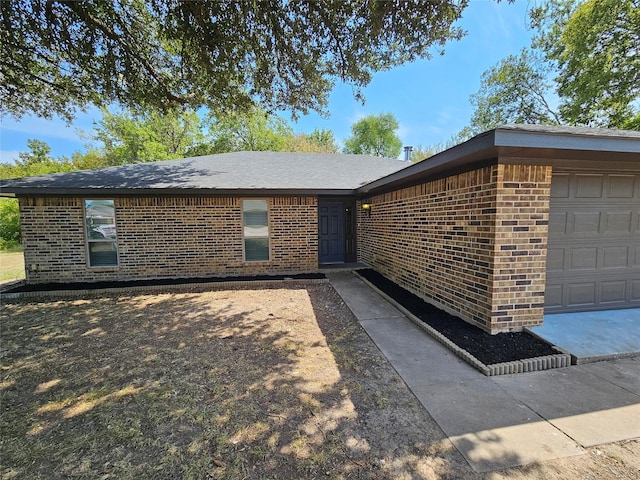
x=430, y=98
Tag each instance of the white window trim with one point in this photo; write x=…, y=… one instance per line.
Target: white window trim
x=89, y=241
x=268, y=236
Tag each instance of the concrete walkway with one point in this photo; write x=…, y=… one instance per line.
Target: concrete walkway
x=504, y=421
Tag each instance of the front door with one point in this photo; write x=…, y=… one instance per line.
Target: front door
x=331, y=232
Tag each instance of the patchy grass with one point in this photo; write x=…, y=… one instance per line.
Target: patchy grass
x=224, y=384
x=245, y=384
x=11, y=264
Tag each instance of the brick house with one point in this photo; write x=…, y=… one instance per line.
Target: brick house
x=512, y=223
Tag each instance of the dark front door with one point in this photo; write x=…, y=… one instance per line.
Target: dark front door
x=331, y=232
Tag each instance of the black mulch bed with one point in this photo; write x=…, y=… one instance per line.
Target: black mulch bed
x=44, y=287
x=489, y=349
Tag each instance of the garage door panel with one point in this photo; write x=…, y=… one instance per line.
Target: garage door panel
x=616, y=257
x=581, y=294
x=635, y=291
x=593, y=254
x=560, y=186
x=584, y=258
x=555, y=259
x=586, y=223
x=576, y=292
x=613, y=292
x=617, y=222
x=553, y=296
x=557, y=224
x=621, y=186
x=589, y=186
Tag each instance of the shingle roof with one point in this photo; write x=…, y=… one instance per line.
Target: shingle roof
x=316, y=173
x=574, y=131
x=222, y=173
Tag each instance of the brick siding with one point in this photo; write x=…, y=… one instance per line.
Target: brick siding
x=473, y=243
x=166, y=237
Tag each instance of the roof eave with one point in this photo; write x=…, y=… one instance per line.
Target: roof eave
x=478, y=149
x=536, y=146
x=162, y=192
x=613, y=141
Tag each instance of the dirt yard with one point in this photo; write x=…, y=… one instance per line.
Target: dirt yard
x=244, y=384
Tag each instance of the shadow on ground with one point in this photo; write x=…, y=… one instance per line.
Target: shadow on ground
x=247, y=383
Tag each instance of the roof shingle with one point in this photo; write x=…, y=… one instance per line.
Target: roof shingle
x=237, y=171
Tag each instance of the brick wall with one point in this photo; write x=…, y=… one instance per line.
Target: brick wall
x=473, y=243
x=166, y=237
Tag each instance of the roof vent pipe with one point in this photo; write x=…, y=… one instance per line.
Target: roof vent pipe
x=407, y=153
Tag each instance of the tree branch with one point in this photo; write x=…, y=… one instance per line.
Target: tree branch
x=90, y=20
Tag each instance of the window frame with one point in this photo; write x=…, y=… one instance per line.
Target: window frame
x=245, y=237
x=89, y=241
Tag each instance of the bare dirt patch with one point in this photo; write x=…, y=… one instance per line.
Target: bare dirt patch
x=271, y=383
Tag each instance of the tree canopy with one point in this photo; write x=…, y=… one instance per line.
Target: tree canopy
x=254, y=130
x=596, y=45
x=63, y=55
x=36, y=161
x=517, y=90
x=375, y=135
x=126, y=136
x=318, y=141
x=130, y=137
x=583, y=68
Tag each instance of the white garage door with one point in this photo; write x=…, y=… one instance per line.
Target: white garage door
x=593, y=256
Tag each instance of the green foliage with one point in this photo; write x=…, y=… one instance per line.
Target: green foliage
x=598, y=55
x=60, y=56
x=131, y=137
x=375, y=135
x=514, y=91
x=92, y=158
x=421, y=152
x=36, y=161
x=254, y=130
x=319, y=141
x=9, y=223
x=583, y=68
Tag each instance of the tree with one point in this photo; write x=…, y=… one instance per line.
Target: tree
x=318, y=141
x=583, y=68
x=93, y=158
x=517, y=90
x=375, y=135
x=131, y=137
x=36, y=161
x=254, y=130
x=596, y=45
x=63, y=55
x=10, y=232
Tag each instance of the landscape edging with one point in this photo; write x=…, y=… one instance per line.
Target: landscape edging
x=559, y=360
x=181, y=287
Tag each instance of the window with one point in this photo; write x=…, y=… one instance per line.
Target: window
x=256, y=230
x=100, y=225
